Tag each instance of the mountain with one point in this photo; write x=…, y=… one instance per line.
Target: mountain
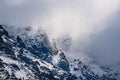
x=64, y=42
x=28, y=55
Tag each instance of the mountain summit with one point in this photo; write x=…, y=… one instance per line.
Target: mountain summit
x=31, y=56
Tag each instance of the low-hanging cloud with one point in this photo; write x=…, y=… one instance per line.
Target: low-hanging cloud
x=78, y=18
x=104, y=47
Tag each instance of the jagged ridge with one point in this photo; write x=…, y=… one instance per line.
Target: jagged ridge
x=30, y=56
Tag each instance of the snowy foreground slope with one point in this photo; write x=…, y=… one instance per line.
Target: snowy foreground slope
x=28, y=55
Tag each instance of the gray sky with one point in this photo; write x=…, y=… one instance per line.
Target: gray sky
x=93, y=25
x=74, y=17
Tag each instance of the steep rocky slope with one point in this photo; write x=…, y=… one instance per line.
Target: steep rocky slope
x=29, y=55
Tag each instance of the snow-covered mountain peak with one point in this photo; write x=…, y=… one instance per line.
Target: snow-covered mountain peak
x=31, y=56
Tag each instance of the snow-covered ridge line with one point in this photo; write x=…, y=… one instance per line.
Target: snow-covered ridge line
x=25, y=56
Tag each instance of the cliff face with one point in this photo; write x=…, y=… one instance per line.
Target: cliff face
x=30, y=56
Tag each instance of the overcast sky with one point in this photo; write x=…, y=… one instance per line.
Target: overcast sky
x=93, y=25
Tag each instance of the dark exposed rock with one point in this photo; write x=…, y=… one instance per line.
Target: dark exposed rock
x=30, y=57
x=63, y=63
x=3, y=31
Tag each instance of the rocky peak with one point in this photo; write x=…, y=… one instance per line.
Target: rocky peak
x=31, y=57
x=3, y=31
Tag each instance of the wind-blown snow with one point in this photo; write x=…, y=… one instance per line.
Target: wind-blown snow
x=56, y=58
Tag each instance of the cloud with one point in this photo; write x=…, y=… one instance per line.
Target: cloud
x=78, y=18
x=15, y=2
x=104, y=46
